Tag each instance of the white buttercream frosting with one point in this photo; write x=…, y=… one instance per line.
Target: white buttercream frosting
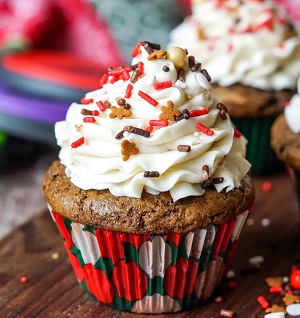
x=292, y=112
x=98, y=163
x=247, y=42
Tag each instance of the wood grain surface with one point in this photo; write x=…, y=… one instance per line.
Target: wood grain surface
x=52, y=290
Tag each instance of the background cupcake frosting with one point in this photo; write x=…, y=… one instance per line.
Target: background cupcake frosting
x=252, y=43
x=99, y=163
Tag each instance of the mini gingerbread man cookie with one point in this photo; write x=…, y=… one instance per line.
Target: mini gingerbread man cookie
x=169, y=112
x=119, y=112
x=157, y=55
x=128, y=149
x=274, y=281
x=275, y=308
x=290, y=299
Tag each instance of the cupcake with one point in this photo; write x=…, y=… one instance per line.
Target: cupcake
x=252, y=53
x=285, y=138
x=151, y=189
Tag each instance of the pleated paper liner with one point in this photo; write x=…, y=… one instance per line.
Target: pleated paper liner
x=295, y=177
x=148, y=273
x=259, y=152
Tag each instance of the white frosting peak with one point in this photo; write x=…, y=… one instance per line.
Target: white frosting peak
x=99, y=160
x=292, y=112
x=245, y=42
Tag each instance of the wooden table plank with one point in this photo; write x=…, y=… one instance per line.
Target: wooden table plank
x=52, y=289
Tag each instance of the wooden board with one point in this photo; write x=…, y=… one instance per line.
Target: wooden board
x=52, y=290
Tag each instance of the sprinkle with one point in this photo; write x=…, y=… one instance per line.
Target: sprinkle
x=141, y=68
x=250, y=222
x=107, y=104
x=77, y=143
x=221, y=106
x=114, y=79
x=137, y=131
x=151, y=174
x=204, y=129
x=149, y=128
x=89, y=120
x=202, y=81
x=232, y=284
x=147, y=47
x=275, y=289
x=184, y=148
x=125, y=76
x=137, y=49
x=196, y=67
x=198, y=112
x=163, y=85
x=78, y=127
x=293, y=309
x=230, y=274
x=256, y=260
x=95, y=113
x=265, y=222
x=147, y=98
x=103, y=79
x=119, y=135
x=101, y=106
x=153, y=46
x=86, y=101
x=55, y=256
x=217, y=180
x=86, y=112
x=160, y=123
x=128, y=91
x=223, y=114
x=118, y=72
x=263, y=302
x=134, y=76
x=205, y=172
x=205, y=73
x=185, y=115
x=121, y=101
x=181, y=75
x=191, y=60
x=189, y=96
x=180, y=84
x=266, y=186
x=226, y=313
x=205, y=184
x=24, y=279
x=127, y=106
x=219, y=299
x=166, y=68
x=237, y=133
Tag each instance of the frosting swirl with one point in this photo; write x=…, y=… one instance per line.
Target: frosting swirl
x=157, y=132
x=251, y=43
x=292, y=112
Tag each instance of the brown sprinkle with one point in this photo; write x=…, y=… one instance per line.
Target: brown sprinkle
x=121, y=101
x=223, y=114
x=127, y=106
x=107, y=104
x=207, y=183
x=147, y=47
x=119, y=135
x=154, y=46
x=221, y=106
x=185, y=115
x=196, y=67
x=191, y=60
x=184, y=148
x=134, y=76
x=205, y=169
x=151, y=174
x=181, y=74
x=86, y=112
x=217, y=180
x=205, y=73
x=137, y=131
x=219, y=299
x=166, y=68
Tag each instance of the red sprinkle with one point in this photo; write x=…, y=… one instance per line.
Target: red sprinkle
x=263, y=302
x=95, y=113
x=86, y=101
x=287, y=104
x=101, y=106
x=141, y=68
x=161, y=123
x=128, y=91
x=126, y=75
x=237, y=133
x=275, y=289
x=89, y=120
x=103, y=79
x=147, y=98
x=24, y=279
x=204, y=129
x=77, y=143
x=163, y=85
x=266, y=186
x=198, y=112
x=115, y=72
x=149, y=128
x=114, y=79
x=232, y=284
x=136, y=50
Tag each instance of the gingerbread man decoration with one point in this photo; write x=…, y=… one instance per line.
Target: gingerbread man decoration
x=119, y=112
x=169, y=112
x=128, y=149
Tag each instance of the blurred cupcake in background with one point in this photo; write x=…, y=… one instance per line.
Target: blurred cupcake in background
x=251, y=50
x=285, y=138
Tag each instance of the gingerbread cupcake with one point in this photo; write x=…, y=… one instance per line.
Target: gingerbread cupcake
x=152, y=188
x=285, y=138
x=251, y=50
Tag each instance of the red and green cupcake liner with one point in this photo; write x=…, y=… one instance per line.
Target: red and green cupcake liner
x=259, y=152
x=150, y=273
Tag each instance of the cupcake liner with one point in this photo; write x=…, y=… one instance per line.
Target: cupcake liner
x=295, y=177
x=150, y=273
x=259, y=152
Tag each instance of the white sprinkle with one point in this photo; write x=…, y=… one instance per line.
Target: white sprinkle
x=265, y=222
x=202, y=81
x=196, y=134
x=230, y=274
x=256, y=260
x=293, y=310
x=180, y=84
x=286, y=279
x=125, y=134
x=275, y=315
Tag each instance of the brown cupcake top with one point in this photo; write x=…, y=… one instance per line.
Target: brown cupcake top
x=156, y=214
x=286, y=143
x=246, y=101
